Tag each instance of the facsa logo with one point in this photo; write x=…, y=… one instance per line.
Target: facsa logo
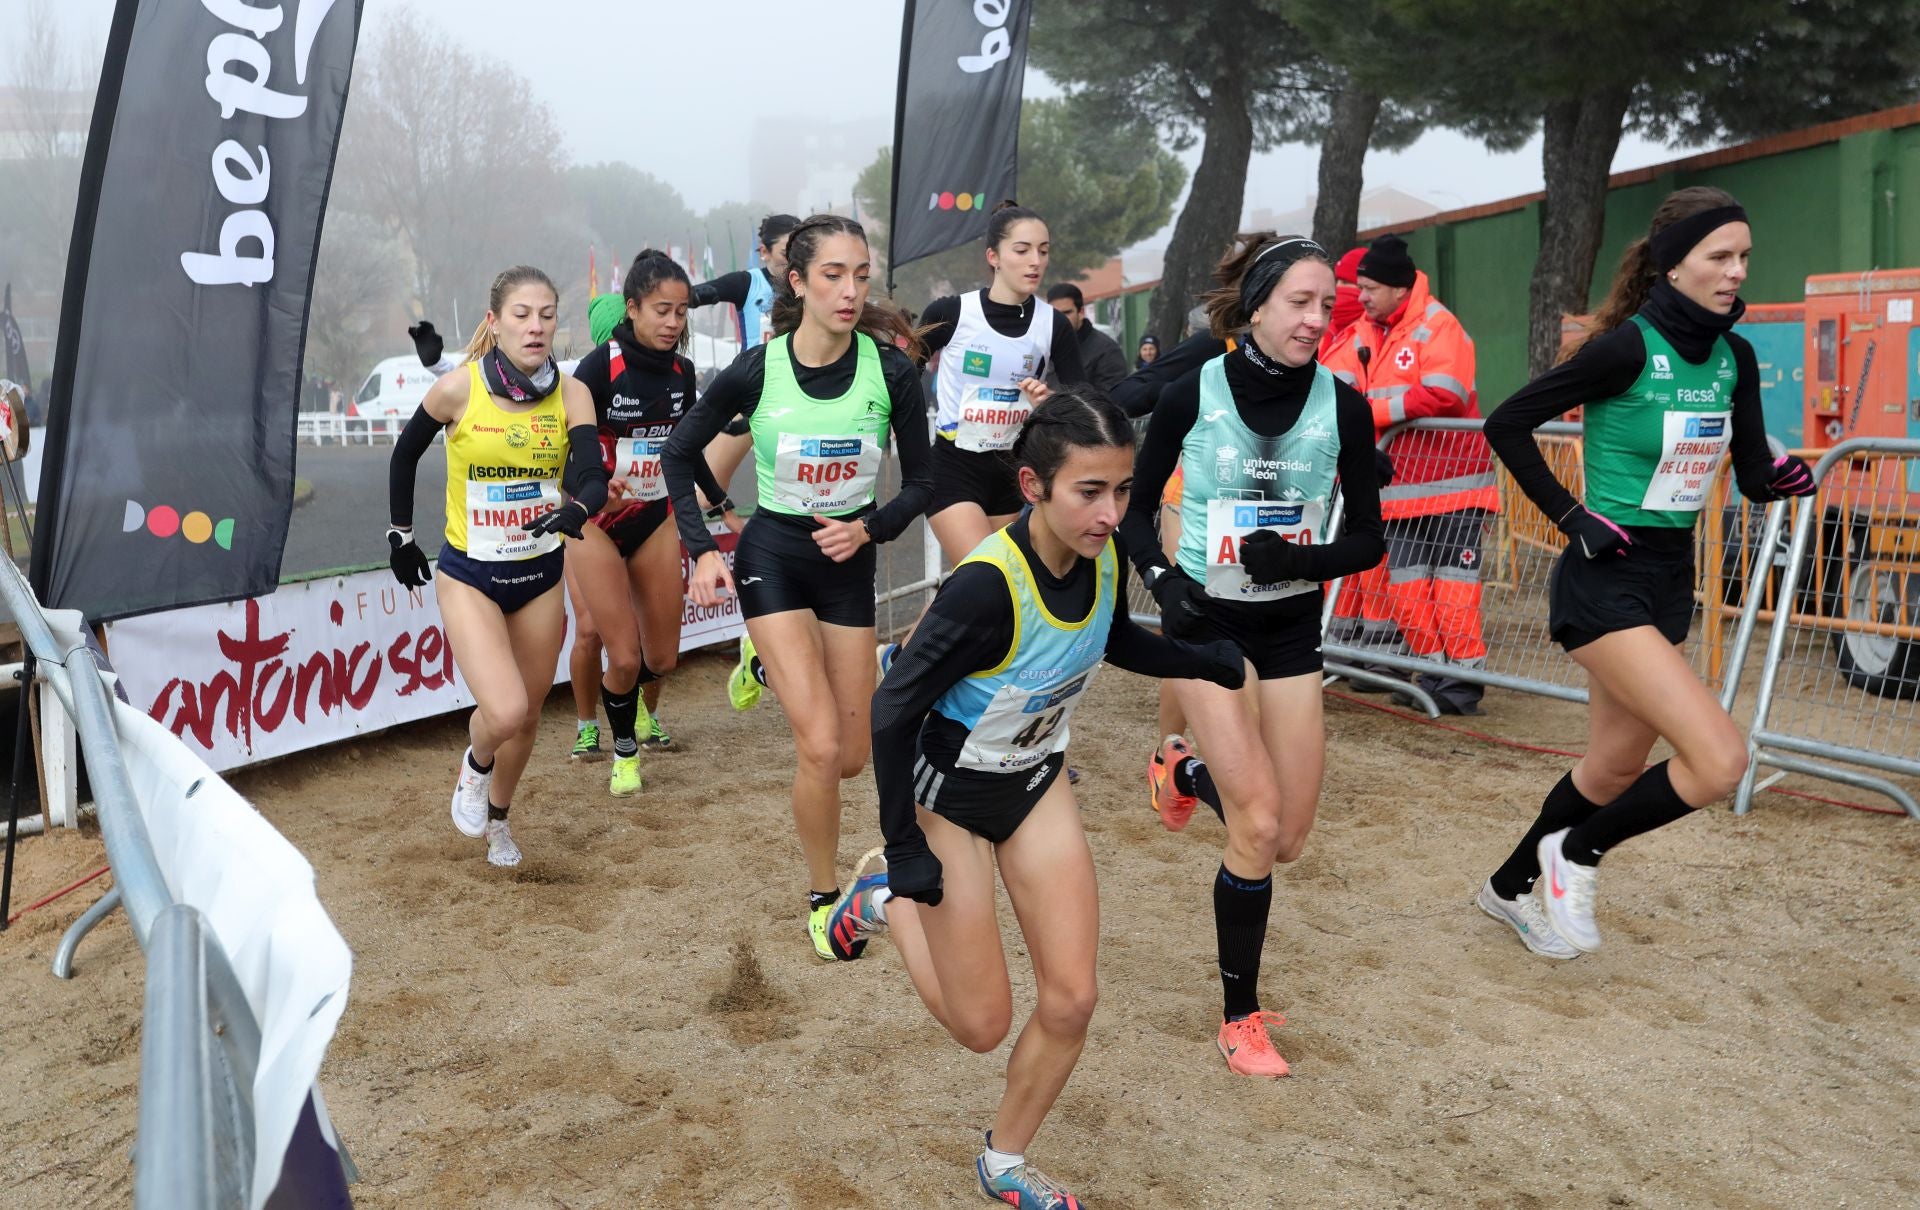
x=949, y=200
x=1662, y=368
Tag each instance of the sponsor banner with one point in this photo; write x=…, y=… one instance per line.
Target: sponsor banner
x=169, y=471
x=317, y=662
x=956, y=130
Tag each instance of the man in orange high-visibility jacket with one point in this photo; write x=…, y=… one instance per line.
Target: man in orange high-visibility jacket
x=1412, y=359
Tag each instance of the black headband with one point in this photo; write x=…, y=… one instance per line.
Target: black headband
x=1272, y=265
x=1671, y=243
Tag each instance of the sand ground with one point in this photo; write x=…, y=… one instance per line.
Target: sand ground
x=633, y=1017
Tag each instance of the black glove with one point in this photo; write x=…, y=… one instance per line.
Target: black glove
x=408, y=561
x=1594, y=535
x=567, y=519
x=427, y=343
x=1791, y=477
x=1270, y=559
x=1382, y=467
x=1228, y=668
x=915, y=876
x=1181, y=603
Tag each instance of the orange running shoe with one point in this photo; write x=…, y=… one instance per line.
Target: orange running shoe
x=1173, y=807
x=1248, y=1049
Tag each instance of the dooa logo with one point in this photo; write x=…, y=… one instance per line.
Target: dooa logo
x=957, y=201
x=164, y=521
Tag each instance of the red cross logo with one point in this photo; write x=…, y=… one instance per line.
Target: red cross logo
x=1404, y=358
x=1467, y=558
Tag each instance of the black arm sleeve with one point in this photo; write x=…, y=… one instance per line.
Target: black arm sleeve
x=1139, y=391
x=1362, y=542
x=727, y=288
x=735, y=392
x=1153, y=465
x=1135, y=649
x=585, y=476
x=1604, y=367
x=909, y=423
x=1752, y=460
x=968, y=627
x=414, y=441
x=940, y=318
x=1064, y=353
x=703, y=476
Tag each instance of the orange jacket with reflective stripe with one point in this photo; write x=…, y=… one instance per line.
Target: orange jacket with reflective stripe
x=1420, y=364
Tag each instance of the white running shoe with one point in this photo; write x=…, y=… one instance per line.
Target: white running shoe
x=1566, y=887
x=1528, y=919
x=500, y=847
x=470, y=792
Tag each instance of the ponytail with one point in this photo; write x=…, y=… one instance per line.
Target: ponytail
x=1634, y=279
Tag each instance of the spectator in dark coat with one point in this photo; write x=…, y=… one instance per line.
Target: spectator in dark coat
x=1105, y=364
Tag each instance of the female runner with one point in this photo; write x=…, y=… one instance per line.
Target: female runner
x=1667, y=388
x=1259, y=435
x=821, y=398
x=517, y=432
x=971, y=724
x=624, y=575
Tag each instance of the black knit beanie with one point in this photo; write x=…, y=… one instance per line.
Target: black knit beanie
x=1387, y=262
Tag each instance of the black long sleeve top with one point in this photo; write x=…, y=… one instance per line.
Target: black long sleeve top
x=1140, y=391
x=1270, y=404
x=727, y=288
x=1607, y=365
x=736, y=392
x=968, y=628
x=943, y=314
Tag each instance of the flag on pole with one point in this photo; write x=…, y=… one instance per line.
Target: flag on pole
x=613, y=275
x=593, y=275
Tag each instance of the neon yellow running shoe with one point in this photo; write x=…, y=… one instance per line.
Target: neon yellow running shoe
x=743, y=691
x=625, y=782
x=819, y=924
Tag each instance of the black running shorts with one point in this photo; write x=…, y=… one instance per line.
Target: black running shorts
x=988, y=479
x=510, y=585
x=777, y=567
x=1588, y=598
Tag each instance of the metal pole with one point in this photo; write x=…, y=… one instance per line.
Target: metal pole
x=173, y=1151
x=89, y=920
x=22, y=741
x=1756, y=594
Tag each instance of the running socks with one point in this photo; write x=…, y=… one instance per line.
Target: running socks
x=819, y=899
x=476, y=766
x=581, y=724
x=1190, y=776
x=999, y=1163
x=494, y=812
x=759, y=672
x=1648, y=803
x=1564, y=807
x=1240, y=908
x=622, y=710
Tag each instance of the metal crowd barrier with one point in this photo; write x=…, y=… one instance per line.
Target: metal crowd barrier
x=337, y=428
x=1841, y=681
x=194, y=1146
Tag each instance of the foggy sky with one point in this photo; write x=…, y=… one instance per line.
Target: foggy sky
x=675, y=88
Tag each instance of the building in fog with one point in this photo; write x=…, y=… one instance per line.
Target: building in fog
x=805, y=168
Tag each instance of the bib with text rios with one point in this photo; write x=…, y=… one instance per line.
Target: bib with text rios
x=824, y=474
x=637, y=460
x=498, y=515
x=1023, y=725
x=1229, y=522
x=991, y=418
x=1692, y=444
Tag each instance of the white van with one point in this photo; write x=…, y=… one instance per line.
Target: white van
x=394, y=389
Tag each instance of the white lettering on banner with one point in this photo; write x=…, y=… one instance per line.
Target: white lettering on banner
x=317, y=663
x=234, y=91
x=996, y=46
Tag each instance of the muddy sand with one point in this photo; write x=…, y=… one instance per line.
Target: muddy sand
x=634, y=1017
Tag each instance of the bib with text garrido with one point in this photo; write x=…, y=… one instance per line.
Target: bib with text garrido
x=1692, y=444
x=818, y=474
x=1229, y=522
x=637, y=460
x=991, y=418
x=498, y=515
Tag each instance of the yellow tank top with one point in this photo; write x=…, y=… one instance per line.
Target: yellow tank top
x=503, y=470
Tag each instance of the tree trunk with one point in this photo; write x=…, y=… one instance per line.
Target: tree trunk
x=1579, y=141
x=1336, y=212
x=1211, y=216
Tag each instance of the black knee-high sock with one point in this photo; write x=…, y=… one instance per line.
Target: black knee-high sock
x=1648, y=803
x=1564, y=807
x=622, y=710
x=1190, y=776
x=759, y=672
x=1240, y=908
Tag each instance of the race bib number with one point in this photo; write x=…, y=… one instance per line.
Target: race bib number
x=1023, y=726
x=1692, y=444
x=824, y=474
x=498, y=515
x=991, y=418
x=1228, y=524
x=637, y=460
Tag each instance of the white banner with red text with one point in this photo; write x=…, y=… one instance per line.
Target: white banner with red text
x=318, y=662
